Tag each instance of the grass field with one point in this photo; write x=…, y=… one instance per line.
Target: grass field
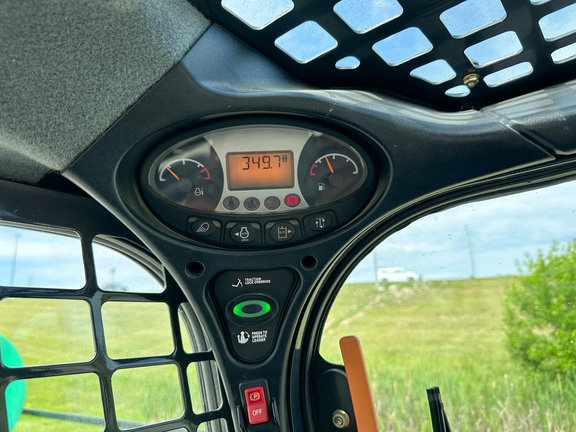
x=59, y=331
x=431, y=333
x=448, y=334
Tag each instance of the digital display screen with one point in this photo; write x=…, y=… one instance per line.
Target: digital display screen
x=260, y=170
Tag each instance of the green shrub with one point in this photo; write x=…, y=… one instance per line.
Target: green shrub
x=539, y=316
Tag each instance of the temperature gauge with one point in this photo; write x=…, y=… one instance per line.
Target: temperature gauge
x=188, y=176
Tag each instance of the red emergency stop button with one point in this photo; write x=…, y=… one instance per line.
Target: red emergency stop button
x=256, y=405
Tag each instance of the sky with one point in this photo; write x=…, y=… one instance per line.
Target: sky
x=500, y=231
x=55, y=261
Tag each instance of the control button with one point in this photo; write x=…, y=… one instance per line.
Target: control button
x=256, y=405
x=206, y=228
x=292, y=200
x=251, y=309
x=282, y=232
x=320, y=222
x=231, y=203
x=252, y=204
x=252, y=340
x=255, y=396
x=243, y=233
x=272, y=203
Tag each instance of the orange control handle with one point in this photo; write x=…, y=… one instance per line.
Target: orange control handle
x=359, y=385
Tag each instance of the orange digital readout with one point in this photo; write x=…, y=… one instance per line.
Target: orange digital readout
x=261, y=170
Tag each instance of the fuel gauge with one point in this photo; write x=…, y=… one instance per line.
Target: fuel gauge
x=333, y=174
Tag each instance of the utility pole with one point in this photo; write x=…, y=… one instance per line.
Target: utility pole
x=14, y=258
x=375, y=257
x=470, y=252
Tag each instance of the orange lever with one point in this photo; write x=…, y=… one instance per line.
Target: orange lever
x=359, y=385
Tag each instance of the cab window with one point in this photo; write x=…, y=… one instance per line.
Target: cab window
x=439, y=303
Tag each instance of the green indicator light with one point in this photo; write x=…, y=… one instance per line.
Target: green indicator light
x=239, y=309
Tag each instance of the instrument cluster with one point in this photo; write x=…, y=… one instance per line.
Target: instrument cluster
x=257, y=184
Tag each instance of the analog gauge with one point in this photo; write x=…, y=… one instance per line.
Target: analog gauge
x=331, y=175
x=190, y=177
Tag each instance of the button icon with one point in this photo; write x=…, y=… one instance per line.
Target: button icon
x=292, y=200
x=231, y=203
x=243, y=233
x=320, y=222
x=272, y=203
x=254, y=396
x=243, y=337
x=204, y=228
x=239, y=284
x=252, y=204
x=283, y=231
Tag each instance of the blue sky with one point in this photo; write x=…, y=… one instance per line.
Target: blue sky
x=55, y=261
x=501, y=232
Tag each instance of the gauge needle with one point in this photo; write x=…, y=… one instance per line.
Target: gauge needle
x=329, y=166
x=172, y=172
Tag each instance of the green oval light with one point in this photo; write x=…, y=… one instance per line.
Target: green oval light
x=239, y=309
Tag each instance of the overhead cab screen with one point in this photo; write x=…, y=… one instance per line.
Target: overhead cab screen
x=260, y=170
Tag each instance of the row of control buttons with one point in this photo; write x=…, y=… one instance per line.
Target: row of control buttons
x=252, y=204
x=250, y=233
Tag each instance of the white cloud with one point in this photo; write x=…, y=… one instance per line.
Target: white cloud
x=501, y=231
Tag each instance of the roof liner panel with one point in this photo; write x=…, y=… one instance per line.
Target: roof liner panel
x=70, y=68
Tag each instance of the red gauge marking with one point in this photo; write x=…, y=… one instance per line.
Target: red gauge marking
x=312, y=169
x=172, y=172
x=207, y=173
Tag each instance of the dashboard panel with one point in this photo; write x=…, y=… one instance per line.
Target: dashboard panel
x=257, y=184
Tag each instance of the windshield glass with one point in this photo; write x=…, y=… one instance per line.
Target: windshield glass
x=476, y=300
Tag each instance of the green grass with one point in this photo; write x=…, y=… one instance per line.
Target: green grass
x=448, y=334
x=59, y=331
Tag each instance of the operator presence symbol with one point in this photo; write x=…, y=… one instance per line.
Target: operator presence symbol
x=199, y=191
x=203, y=228
x=320, y=223
x=283, y=232
x=239, y=284
x=243, y=337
